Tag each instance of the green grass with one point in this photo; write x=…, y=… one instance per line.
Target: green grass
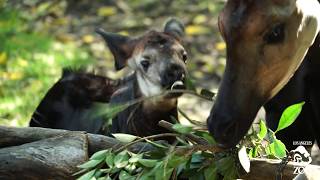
x=30, y=63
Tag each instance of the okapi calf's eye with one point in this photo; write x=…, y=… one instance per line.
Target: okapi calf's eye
x=276, y=35
x=184, y=56
x=145, y=64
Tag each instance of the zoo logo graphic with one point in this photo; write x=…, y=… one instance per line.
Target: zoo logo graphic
x=301, y=155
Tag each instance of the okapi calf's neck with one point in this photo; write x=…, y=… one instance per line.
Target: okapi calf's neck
x=158, y=63
x=266, y=43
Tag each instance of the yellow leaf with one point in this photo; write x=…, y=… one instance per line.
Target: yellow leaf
x=15, y=75
x=196, y=30
x=124, y=33
x=61, y=21
x=22, y=62
x=4, y=75
x=220, y=46
x=199, y=19
x=107, y=11
x=88, y=38
x=3, y=58
x=65, y=38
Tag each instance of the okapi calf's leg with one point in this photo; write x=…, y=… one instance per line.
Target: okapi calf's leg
x=158, y=62
x=70, y=103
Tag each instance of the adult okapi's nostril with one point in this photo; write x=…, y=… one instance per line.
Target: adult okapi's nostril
x=173, y=73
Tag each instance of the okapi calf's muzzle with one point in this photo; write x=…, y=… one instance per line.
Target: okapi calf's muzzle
x=157, y=60
x=266, y=43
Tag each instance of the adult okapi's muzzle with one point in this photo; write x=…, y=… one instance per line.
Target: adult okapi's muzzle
x=234, y=110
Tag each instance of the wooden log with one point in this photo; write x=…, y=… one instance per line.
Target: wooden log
x=13, y=136
x=52, y=158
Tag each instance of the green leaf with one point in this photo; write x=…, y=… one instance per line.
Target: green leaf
x=189, y=84
x=130, y=168
x=121, y=159
x=125, y=138
x=225, y=165
x=161, y=172
x=90, y=164
x=98, y=173
x=88, y=175
x=182, y=128
x=99, y=155
x=253, y=152
x=109, y=111
x=175, y=160
x=289, y=115
x=207, y=136
x=210, y=173
x=109, y=159
x=278, y=149
x=135, y=158
x=263, y=130
x=148, y=162
x=125, y=176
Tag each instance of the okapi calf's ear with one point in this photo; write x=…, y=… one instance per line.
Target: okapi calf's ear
x=120, y=46
x=175, y=28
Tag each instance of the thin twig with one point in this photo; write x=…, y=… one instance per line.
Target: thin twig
x=144, y=138
x=198, y=123
x=192, y=137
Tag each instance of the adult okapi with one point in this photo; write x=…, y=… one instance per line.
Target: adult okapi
x=269, y=64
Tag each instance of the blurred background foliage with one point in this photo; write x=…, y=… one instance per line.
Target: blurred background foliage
x=38, y=38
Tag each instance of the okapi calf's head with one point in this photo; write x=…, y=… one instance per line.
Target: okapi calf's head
x=158, y=62
x=266, y=42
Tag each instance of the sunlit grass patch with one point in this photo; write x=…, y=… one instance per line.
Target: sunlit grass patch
x=30, y=63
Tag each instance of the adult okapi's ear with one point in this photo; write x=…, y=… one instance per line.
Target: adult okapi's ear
x=120, y=46
x=174, y=27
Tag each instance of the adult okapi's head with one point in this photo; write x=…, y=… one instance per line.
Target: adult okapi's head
x=158, y=58
x=266, y=42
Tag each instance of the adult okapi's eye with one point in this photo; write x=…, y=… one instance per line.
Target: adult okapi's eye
x=276, y=35
x=145, y=64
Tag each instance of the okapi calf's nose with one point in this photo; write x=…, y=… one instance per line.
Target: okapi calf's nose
x=172, y=74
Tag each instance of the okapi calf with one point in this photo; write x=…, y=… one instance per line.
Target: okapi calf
x=70, y=103
x=266, y=44
x=158, y=63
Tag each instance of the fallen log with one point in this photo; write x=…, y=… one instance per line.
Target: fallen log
x=12, y=136
x=52, y=158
